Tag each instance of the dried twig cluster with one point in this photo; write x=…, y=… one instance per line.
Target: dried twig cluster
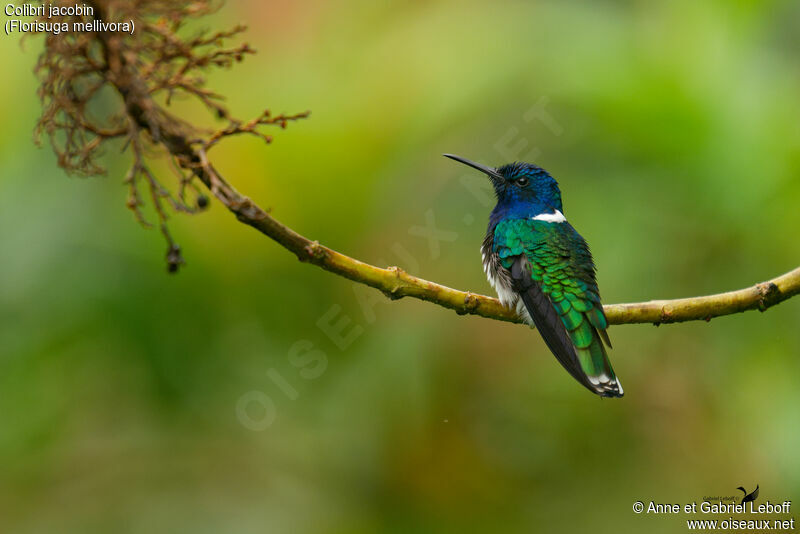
x=81, y=76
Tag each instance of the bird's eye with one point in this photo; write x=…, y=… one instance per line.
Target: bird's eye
x=522, y=182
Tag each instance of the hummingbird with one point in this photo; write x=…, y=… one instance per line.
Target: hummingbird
x=540, y=266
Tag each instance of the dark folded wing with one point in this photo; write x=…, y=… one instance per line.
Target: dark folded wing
x=548, y=321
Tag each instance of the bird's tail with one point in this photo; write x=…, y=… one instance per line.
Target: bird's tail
x=570, y=330
x=585, y=326
x=595, y=363
x=587, y=332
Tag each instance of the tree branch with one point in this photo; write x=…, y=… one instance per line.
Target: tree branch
x=129, y=77
x=396, y=283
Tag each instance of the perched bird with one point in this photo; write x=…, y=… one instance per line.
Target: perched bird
x=541, y=266
x=749, y=497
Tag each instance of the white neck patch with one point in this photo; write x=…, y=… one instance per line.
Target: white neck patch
x=556, y=217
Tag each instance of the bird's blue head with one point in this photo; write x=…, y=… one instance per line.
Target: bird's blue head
x=522, y=189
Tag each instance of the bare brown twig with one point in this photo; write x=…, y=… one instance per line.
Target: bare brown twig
x=74, y=68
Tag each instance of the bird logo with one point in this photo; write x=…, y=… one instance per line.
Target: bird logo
x=748, y=497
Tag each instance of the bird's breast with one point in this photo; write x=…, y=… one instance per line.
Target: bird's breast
x=498, y=276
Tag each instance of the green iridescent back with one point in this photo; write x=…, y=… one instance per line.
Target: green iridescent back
x=561, y=264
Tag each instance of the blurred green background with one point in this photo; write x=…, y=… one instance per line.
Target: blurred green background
x=134, y=401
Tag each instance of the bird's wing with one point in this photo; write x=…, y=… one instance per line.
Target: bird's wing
x=554, y=274
x=755, y=493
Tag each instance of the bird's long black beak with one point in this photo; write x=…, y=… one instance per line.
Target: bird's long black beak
x=495, y=176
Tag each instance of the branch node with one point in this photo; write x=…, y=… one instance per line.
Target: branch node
x=246, y=210
x=397, y=290
x=314, y=252
x=666, y=314
x=470, y=304
x=770, y=294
